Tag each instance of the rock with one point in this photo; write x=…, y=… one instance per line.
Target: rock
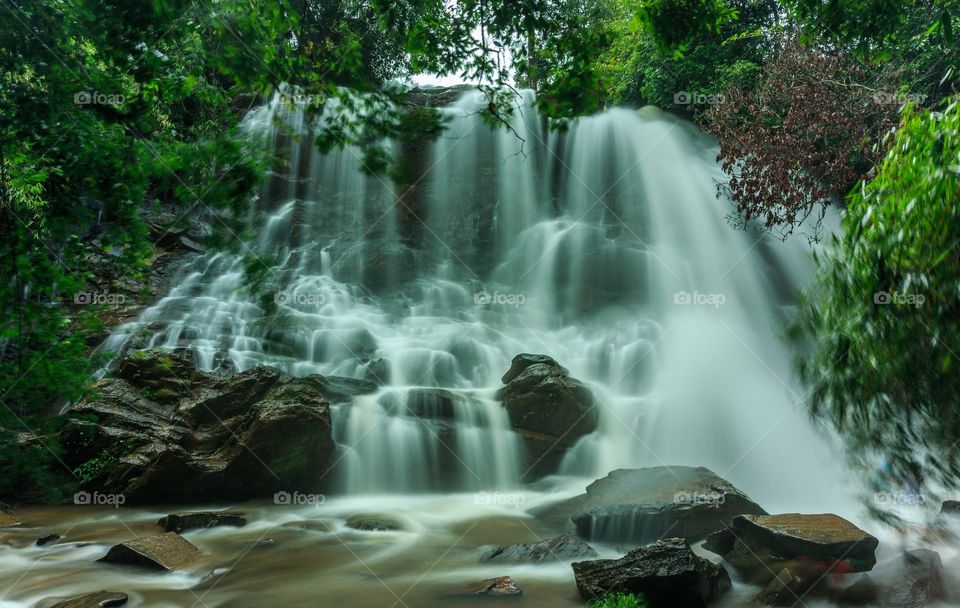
x=550, y=410
x=372, y=523
x=49, y=539
x=561, y=548
x=786, y=589
x=525, y=360
x=339, y=389
x=641, y=505
x=720, y=542
x=8, y=521
x=168, y=551
x=501, y=587
x=668, y=574
x=913, y=580
x=313, y=526
x=166, y=433
x=950, y=507
x=808, y=544
x=862, y=591
x=377, y=371
x=193, y=245
x=432, y=403
x=100, y=599
x=190, y=520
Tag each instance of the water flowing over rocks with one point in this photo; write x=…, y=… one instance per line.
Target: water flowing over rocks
x=191, y=520
x=168, y=551
x=99, y=599
x=373, y=523
x=501, y=587
x=561, y=548
x=550, y=410
x=166, y=433
x=808, y=545
x=914, y=579
x=668, y=574
x=642, y=505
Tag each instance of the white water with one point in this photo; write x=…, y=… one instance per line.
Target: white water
x=604, y=247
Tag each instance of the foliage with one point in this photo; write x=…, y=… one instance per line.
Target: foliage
x=619, y=600
x=883, y=318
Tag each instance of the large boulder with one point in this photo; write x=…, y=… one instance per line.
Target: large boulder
x=807, y=545
x=668, y=574
x=162, y=432
x=561, y=548
x=550, y=410
x=642, y=505
x=168, y=551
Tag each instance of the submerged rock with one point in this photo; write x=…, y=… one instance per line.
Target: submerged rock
x=339, y=389
x=808, y=545
x=372, y=523
x=950, y=507
x=168, y=551
x=48, y=539
x=912, y=580
x=500, y=587
x=642, y=505
x=8, y=521
x=99, y=599
x=561, y=548
x=166, y=433
x=190, y=520
x=668, y=574
x=550, y=410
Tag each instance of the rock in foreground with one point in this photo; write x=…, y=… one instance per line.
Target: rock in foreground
x=550, y=410
x=166, y=433
x=642, y=505
x=561, y=548
x=496, y=588
x=668, y=573
x=7, y=520
x=807, y=545
x=99, y=599
x=168, y=551
x=191, y=520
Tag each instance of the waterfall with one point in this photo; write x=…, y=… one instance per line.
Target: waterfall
x=604, y=246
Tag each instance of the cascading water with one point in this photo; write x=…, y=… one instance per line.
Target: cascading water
x=603, y=246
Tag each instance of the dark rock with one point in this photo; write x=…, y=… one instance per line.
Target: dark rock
x=7, y=520
x=525, y=360
x=720, y=542
x=166, y=433
x=433, y=403
x=862, y=591
x=372, y=523
x=340, y=389
x=377, y=371
x=168, y=551
x=786, y=589
x=642, y=505
x=561, y=548
x=668, y=574
x=950, y=507
x=501, y=587
x=193, y=245
x=100, y=599
x=49, y=539
x=913, y=580
x=550, y=410
x=190, y=520
x=808, y=544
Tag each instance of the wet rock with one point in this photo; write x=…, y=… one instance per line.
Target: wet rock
x=668, y=574
x=166, y=433
x=550, y=410
x=500, y=587
x=786, y=589
x=642, y=505
x=913, y=580
x=372, y=523
x=720, y=542
x=313, y=526
x=561, y=548
x=377, y=371
x=192, y=245
x=950, y=507
x=7, y=520
x=809, y=544
x=168, y=551
x=49, y=539
x=191, y=520
x=862, y=591
x=100, y=599
x=432, y=403
x=339, y=389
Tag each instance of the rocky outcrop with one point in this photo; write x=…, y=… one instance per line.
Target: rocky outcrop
x=668, y=574
x=99, y=599
x=550, y=410
x=501, y=587
x=561, y=548
x=168, y=551
x=162, y=432
x=192, y=520
x=642, y=505
x=807, y=545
